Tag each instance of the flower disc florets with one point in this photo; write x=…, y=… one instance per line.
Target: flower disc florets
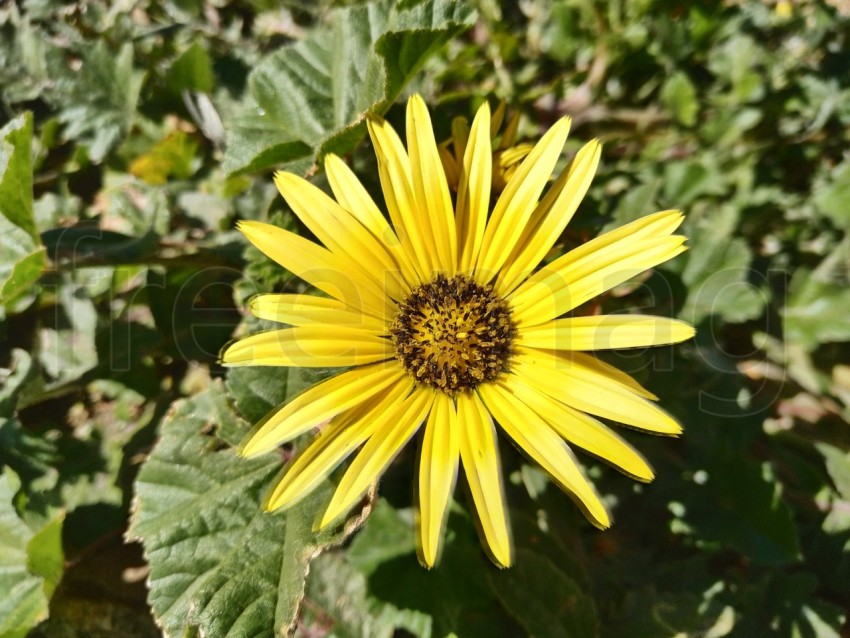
x=453, y=334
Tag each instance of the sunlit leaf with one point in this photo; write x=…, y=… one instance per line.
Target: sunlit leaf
x=311, y=97
x=219, y=563
x=30, y=564
x=21, y=256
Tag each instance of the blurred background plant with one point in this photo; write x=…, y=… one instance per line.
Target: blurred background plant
x=134, y=135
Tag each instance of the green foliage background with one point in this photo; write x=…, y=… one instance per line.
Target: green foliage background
x=134, y=135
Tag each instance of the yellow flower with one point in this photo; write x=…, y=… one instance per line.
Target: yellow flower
x=443, y=320
x=507, y=156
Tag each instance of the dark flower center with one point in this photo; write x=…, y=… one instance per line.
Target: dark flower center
x=453, y=334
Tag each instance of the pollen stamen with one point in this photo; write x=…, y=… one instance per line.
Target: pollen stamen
x=453, y=334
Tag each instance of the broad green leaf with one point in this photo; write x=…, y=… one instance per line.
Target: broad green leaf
x=23, y=274
x=741, y=507
x=27, y=454
x=838, y=466
x=30, y=564
x=311, y=98
x=45, y=557
x=679, y=96
x=686, y=181
x=786, y=604
x=387, y=536
x=832, y=194
x=99, y=100
x=192, y=71
x=23, y=64
x=456, y=594
x=67, y=345
x=816, y=309
x=193, y=308
x=257, y=390
x=543, y=599
x=340, y=603
x=16, y=170
x=639, y=200
x=220, y=565
x=717, y=274
x=135, y=208
x=736, y=61
x=21, y=254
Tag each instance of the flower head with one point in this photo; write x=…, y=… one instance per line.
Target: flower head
x=448, y=325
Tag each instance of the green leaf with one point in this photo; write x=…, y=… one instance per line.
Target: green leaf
x=831, y=195
x=257, y=390
x=717, y=274
x=686, y=181
x=23, y=58
x=737, y=61
x=816, y=309
x=741, y=507
x=23, y=274
x=100, y=99
x=21, y=255
x=68, y=341
x=219, y=563
x=339, y=597
x=310, y=98
x=45, y=557
x=543, y=599
x=680, y=97
x=838, y=466
x=27, y=454
x=193, y=308
x=387, y=536
x=191, y=71
x=30, y=564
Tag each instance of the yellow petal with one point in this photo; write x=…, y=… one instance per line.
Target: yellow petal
x=450, y=165
x=596, y=267
x=510, y=133
x=320, y=267
x=335, y=442
x=583, y=430
x=473, y=193
x=319, y=346
x=551, y=217
x=580, y=362
x=319, y=403
x=305, y=310
x=498, y=118
x=544, y=446
x=383, y=446
x=430, y=185
x=341, y=232
x=589, y=391
x=437, y=474
x=480, y=456
x=397, y=184
x=605, y=332
x=354, y=198
x=460, y=138
x=518, y=200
